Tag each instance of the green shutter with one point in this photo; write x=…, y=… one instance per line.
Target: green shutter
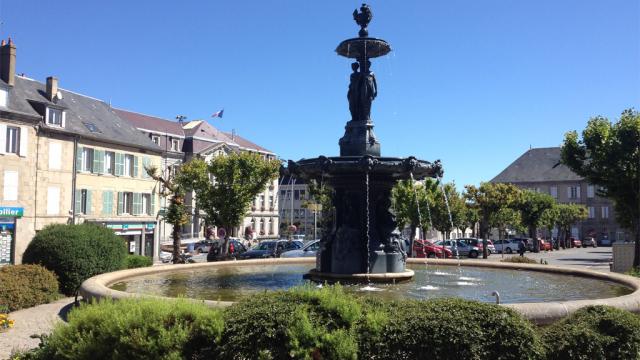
x=152, y=205
x=107, y=202
x=120, y=203
x=79, y=159
x=135, y=167
x=137, y=203
x=78, y=204
x=88, y=202
x=98, y=161
x=145, y=165
x=119, y=164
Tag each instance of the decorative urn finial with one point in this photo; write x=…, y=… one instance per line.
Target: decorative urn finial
x=363, y=18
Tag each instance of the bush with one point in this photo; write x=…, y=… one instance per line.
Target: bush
x=25, y=286
x=634, y=272
x=594, y=332
x=445, y=329
x=76, y=252
x=519, y=260
x=302, y=323
x=137, y=261
x=134, y=329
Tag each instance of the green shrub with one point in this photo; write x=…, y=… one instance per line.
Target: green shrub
x=302, y=323
x=134, y=329
x=634, y=272
x=594, y=332
x=76, y=252
x=24, y=286
x=519, y=260
x=445, y=329
x=137, y=261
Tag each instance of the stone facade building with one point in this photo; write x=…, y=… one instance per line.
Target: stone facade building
x=68, y=158
x=295, y=208
x=541, y=170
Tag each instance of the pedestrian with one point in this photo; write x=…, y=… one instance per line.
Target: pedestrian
x=521, y=247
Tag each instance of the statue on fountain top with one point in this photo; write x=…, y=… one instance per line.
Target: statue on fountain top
x=363, y=18
x=363, y=88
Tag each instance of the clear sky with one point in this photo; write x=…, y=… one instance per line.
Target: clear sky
x=473, y=83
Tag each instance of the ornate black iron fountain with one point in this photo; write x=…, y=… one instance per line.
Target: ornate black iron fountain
x=363, y=243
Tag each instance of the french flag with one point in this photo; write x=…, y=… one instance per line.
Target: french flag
x=218, y=114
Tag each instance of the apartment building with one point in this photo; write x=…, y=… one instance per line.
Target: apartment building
x=69, y=158
x=541, y=170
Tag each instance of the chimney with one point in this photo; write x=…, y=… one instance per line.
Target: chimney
x=8, y=62
x=52, y=88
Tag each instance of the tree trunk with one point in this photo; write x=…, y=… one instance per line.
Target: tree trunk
x=533, y=235
x=412, y=238
x=636, y=257
x=175, y=235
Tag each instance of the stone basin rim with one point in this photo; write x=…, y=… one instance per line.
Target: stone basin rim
x=541, y=313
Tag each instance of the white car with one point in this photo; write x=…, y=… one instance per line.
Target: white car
x=165, y=256
x=510, y=246
x=308, y=250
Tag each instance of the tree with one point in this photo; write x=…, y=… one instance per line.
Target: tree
x=608, y=155
x=447, y=213
x=532, y=205
x=569, y=214
x=549, y=220
x=411, y=204
x=226, y=186
x=489, y=199
x=504, y=218
x=320, y=201
x=176, y=214
x=471, y=217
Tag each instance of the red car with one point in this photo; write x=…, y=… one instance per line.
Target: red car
x=420, y=247
x=545, y=245
x=575, y=242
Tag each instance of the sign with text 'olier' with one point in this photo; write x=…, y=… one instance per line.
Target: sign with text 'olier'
x=11, y=211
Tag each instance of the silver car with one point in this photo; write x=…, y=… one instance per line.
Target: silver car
x=509, y=246
x=308, y=250
x=461, y=248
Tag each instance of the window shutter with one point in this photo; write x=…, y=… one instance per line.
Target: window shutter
x=78, y=205
x=578, y=192
x=120, y=203
x=24, y=141
x=145, y=165
x=64, y=118
x=135, y=167
x=152, y=205
x=79, y=159
x=3, y=138
x=137, y=203
x=569, y=192
x=119, y=164
x=88, y=205
x=98, y=161
x=105, y=202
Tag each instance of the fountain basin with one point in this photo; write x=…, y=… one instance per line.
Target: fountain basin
x=539, y=312
x=363, y=47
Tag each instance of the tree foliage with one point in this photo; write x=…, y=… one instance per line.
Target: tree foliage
x=569, y=214
x=448, y=210
x=226, y=186
x=532, y=205
x=608, y=155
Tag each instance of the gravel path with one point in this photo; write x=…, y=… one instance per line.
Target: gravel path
x=36, y=320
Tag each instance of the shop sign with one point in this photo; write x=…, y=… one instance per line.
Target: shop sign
x=11, y=211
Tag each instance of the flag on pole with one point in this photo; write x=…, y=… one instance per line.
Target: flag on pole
x=218, y=114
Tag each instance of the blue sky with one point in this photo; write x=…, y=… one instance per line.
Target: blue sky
x=473, y=83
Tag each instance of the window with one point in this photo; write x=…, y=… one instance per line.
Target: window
x=87, y=159
x=54, y=117
x=270, y=201
x=83, y=201
x=592, y=212
x=146, y=204
x=296, y=213
x=553, y=190
x=573, y=192
x=155, y=139
x=302, y=194
x=282, y=193
x=109, y=162
x=4, y=95
x=302, y=213
x=605, y=212
x=128, y=165
x=175, y=144
x=55, y=155
x=92, y=127
x=125, y=203
x=590, y=191
x=270, y=227
x=53, y=200
x=296, y=194
x=262, y=201
x=13, y=140
x=10, y=191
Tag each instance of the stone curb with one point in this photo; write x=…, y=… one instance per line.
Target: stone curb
x=97, y=287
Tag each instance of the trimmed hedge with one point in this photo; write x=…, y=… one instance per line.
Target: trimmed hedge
x=594, y=332
x=302, y=323
x=137, y=261
x=446, y=329
x=24, y=286
x=134, y=329
x=76, y=252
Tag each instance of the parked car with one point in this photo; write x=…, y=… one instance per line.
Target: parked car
x=461, y=247
x=308, y=250
x=428, y=248
x=588, y=241
x=203, y=246
x=575, y=242
x=271, y=248
x=544, y=245
x=605, y=242
x=235, y=249
x=509, y=246
x=480, y=244
x=165, y=256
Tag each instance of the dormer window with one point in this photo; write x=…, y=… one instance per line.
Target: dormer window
x=155, y=139
x=55, y=117
x=175, y=143
x=4, y=95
